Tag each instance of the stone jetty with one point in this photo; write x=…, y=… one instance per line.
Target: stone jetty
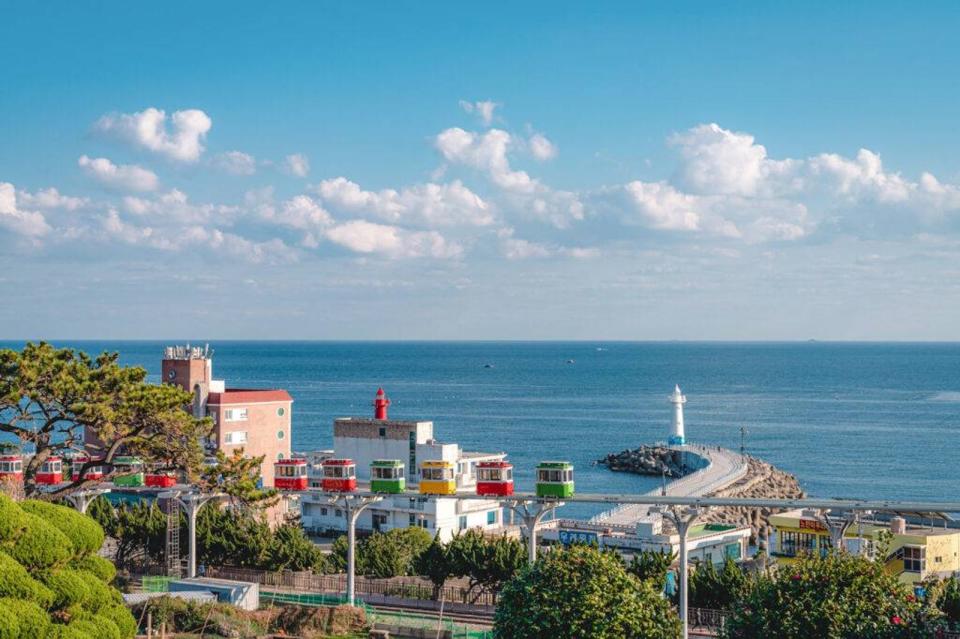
x=648, y=460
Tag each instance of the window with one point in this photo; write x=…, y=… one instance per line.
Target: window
x=281, y=434
x=914, y=559
x=280, y=412
x=463, y=522
x=732, y=551
x=413, y=519
x=491, y=517
x=339, y=513
x=323, y=512
x=383, y=432
x=235, y=437
x=235, y=414
x=793, y=543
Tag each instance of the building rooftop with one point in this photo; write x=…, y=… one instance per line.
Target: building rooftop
x=248, y=396
x=406, y=423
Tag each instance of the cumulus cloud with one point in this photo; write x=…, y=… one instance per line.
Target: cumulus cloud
x=297, y=164
x=541, y=148
x=427, y=205
x=51, y=198
x=486, y=152
x=361, y=236
x=514, y=248
x=174, y=206
x=236, y=163
x=484, y=109
x=28, y=223
x=181, y=141
x=124, y=177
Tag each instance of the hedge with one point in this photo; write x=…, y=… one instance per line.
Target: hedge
x=9, y=624
x=33, y=619
x=97, y=627
x=102, y=568
x=122, y=617
x=69, y=588
x=12, y=521
x=66, y=632
x=82, y=531
x=41, y=545
x=16, y=582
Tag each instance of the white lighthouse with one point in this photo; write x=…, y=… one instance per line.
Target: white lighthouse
x=676, y=432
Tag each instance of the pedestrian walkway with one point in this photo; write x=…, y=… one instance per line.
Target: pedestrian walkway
x=723, y=468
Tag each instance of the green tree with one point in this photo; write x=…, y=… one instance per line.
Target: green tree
x=717, y=590
x=839, y=596
x=393, y=553
x=652, y=566
x=49, y=396
x=487, y=563
x=292, y=550
x=238, y=477
x=581, y=592
x=437, y=564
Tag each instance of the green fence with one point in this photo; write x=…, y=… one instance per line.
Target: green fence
x=157, y=584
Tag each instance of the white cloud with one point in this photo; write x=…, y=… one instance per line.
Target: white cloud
x=148, y=129
x=361, y=236
x=662, y=206
x=542, y=148
x=427, y=205
x=28, y=223
x=51, y=198
x=297, y=164
x=486, y=152
x=174, y=207
x=518, y=249
x=236, y=163
x=484, y=109
x=124, y=177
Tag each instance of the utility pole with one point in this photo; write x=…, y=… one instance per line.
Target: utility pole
x=743, y=437
x=683, y=518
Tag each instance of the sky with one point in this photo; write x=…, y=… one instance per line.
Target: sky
x=436, y=170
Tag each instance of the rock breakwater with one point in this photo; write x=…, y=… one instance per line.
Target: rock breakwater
x=648, y=460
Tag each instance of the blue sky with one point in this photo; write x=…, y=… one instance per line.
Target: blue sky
x=507, y=170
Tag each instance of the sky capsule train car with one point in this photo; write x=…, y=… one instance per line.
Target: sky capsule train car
x=160, y=479
x=339, y=475
x=93, y=472
x=11, y=468
x=494, y=478
x=290, y=474
x=129, y=472
x=50, y=472
x=386, y=476
x=436, y=478
x=555, y=479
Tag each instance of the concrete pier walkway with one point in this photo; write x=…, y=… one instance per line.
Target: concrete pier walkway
x=723, y=467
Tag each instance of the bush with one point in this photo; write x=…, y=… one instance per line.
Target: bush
x=12, y=521
x=33, y=619
x=87, y=627
x=122, y=618
x=66, y=632
x=840, y=596
x=582, y=592
x=82, y=531
x=9, y=624
x=69, y=587
x=104, y=570
x=16, y=583
x=41, y=545
x=100, y=627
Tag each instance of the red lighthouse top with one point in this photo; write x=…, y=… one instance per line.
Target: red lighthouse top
x=380, y=405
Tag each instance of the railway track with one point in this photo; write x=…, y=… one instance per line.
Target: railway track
x=477, y=619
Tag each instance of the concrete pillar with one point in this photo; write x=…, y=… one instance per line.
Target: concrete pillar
x=683, y=520
x=353, y=506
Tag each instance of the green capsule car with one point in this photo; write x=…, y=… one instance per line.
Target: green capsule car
x=555, y=479
x=386, y=476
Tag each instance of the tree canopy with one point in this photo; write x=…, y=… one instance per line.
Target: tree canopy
x=582, y=592
x=49, y=396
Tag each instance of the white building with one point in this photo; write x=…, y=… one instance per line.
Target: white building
x=364, y=440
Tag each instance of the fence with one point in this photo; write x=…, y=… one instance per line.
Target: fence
x=706, y=619
x=407, y=588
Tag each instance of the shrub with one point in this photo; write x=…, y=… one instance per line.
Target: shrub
x=82, y=531
x=122, y=618
x=66, y=632
x=102, y=627
x=41, y=545
x=16, y=582
x=582, y=592
x=33, y=619
x=100, y=593
x=87, y=627
x=12, y=521
x=9, y=624
x=102, y=568
x=69, y=587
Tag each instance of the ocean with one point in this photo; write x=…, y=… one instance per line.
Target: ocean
x=869, y=420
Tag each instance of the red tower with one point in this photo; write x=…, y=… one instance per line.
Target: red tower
x=380, y=405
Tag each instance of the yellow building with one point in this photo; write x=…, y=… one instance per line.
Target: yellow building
x=914, y=553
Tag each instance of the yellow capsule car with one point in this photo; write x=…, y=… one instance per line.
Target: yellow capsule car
x=436, y=478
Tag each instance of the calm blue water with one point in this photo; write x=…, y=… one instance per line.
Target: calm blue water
x=851, y=420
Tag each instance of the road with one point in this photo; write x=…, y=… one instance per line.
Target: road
x=723, y=468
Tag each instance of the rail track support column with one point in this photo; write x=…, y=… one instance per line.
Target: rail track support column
x=531, y=513
x=352, y=506
x=837, y=525
x=82, y=499
x=683, y=518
